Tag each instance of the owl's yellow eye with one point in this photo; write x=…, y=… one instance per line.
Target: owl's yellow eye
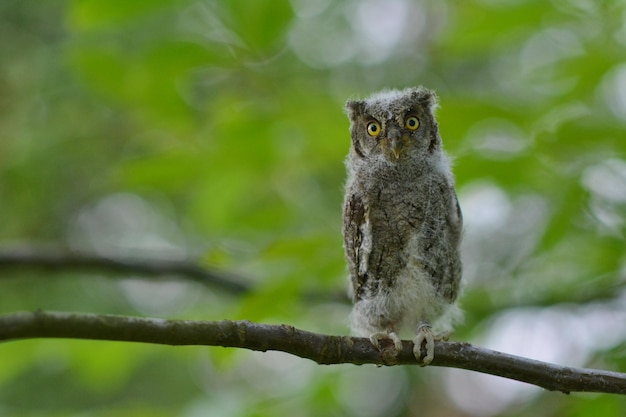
x=412, y=123
x=373, y=128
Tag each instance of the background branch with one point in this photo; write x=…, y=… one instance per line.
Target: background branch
x=65, y=261
x=57, y=260
x=320, y=348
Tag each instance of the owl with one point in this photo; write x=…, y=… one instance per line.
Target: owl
x=401, y=221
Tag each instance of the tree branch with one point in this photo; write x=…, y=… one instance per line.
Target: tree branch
x=60, y=261
x=33, y=258
x=320, y=348
x=64, y=261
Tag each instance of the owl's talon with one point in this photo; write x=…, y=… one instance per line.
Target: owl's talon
x=424, y=334
x=375, y=338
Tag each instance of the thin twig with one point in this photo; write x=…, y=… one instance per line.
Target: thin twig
x=322, y=349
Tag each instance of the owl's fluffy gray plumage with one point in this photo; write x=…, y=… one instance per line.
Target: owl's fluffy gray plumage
x=401, y=218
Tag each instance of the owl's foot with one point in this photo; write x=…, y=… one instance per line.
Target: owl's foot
x=375, y=338
x=424, y=334
x=445, y=336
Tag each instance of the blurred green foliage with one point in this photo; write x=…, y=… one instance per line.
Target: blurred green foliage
x=214, y=130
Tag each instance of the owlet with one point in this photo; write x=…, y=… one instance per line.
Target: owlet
x=401, y=220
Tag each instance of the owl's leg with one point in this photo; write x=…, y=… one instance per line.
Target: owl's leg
x=424, y=334
x=375, y=338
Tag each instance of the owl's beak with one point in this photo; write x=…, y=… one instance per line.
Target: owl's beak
x=396, y=144
x=396, y=148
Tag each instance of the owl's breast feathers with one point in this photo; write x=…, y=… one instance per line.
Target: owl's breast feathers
x=388, y=229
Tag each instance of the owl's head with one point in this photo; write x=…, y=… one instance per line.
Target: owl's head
x=394, y=124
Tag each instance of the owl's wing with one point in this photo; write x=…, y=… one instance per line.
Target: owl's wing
x=457, y=219
x=354, y=218
x=446, y=269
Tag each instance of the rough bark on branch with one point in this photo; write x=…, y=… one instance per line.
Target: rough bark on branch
x=322, y=349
